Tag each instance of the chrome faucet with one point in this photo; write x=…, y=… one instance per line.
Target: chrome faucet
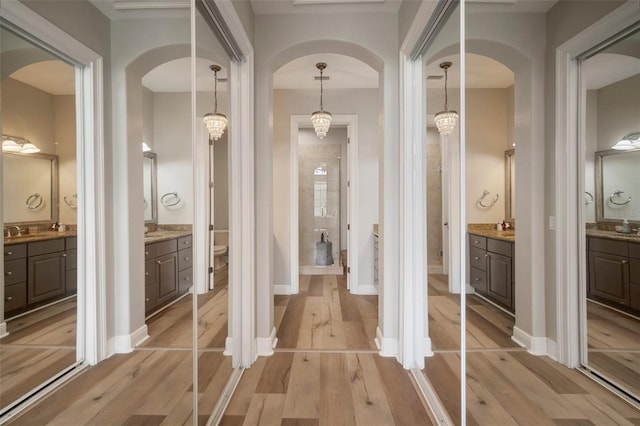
x=18, y=231
x=7, y=231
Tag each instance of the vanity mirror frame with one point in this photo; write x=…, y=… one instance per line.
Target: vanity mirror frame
x=154, y=187
x=54, y=188
x=599, y=192
x=509, y=188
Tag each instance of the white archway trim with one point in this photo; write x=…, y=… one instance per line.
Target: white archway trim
x=351, y=121
x=91, y=315
x=571, y=235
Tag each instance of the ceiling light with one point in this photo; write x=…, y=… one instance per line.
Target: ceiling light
x=631, y=141
x=215, y=122
x=321, y=119
x=446, y=120
x=17, y=144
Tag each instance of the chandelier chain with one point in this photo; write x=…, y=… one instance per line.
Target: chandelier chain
x=215, y=90
x=446, y=98
x=321, y=107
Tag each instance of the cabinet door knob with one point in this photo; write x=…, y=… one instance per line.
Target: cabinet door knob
x=186, y=258
x=64, y=254
x=476, y=242
x=476, y=279
x=187, y=279
x=147, y=299
x=487, y=255
x=158, y=262
x=146, y=253
x=185, y=242
x=476, y=258
x=146, y=273
x=9, y=253
x=9, y=273
x=8, y=298
x=625, y=261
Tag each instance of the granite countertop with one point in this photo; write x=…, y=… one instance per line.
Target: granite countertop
x=489, y=230
x=613, y=235
x=40, y=236
x=162, y=235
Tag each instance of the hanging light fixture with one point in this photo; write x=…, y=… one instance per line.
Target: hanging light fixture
x=215, y=122
x=446, y=120
x=631, y=141
x=321, y=119
x=17, y=144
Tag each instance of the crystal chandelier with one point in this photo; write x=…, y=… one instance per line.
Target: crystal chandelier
x=19, y=145
x=215, y=122
x=321, y=119
x=446, y=120
x=629, y=142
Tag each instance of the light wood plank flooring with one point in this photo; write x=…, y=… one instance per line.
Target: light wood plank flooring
x=614, y=346
x=505, y=384
x=153, y=384
x=39, y=345
x=325, y=370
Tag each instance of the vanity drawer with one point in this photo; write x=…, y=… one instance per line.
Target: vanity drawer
x=185, y=259
x=620, y=248
x=44, y=247
x=15, y=297
x=150, y=297
x=149, y=272
x=634, y=292
x=634, y=250
x=71, y=283
x=15, y=271
x=185, y=279
x=499, y=246
x=185, y=242
x=72, y=242
x=477, y=241
x=15, y=251
x=165, y=247
x=478, y=280
x=478, y=259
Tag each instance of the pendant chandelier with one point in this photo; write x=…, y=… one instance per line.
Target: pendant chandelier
x=215, y=122
x=446, y=120
x=321, y=119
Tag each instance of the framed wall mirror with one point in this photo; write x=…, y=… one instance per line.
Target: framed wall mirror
x=29, y=188
x=617, y=185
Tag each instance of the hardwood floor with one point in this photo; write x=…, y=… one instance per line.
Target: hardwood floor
x=505, y=384
x=39, y=345
x=324, y=315
x=326, y=370
x=614, y=346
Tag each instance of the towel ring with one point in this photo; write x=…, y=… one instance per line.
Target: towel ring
x=589, y=198
x=491, y=203
x=617, y=193
x=166, y=199
x=33, y=199
x=72, y=204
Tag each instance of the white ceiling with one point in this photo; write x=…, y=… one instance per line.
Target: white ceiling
x=344, y=72
x=604, y=69
x=54, y=77
x=261, y=7
x=123, y=9
x=174, y=76
x=481, y=73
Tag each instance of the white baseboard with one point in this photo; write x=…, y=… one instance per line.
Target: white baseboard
x=534, y=345
x=428, y=351
x=266, y=345
x=365, y=290
x=126, y=343
x=3, y=329
x=387, y=347
x=228, y=344
x=282, y=290
x=552, y=349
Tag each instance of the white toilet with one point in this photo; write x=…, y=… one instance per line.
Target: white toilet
x=220, y=245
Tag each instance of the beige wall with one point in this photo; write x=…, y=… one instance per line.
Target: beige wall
x=618, y=111
x=65, y=139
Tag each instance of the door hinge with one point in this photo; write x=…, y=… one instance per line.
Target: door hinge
x=349, y=184
x=211, y=185
x=348, y=227
x=211, y=269
x=348, y=270
x=210, y=227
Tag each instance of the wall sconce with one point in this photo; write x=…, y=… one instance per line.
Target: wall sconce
x=19, y=145
x=631, y=141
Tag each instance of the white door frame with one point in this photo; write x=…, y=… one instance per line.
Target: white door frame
x=571, y=235
x=91, y=322
x=351, y=121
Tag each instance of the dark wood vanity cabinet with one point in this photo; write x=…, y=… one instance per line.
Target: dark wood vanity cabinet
x=614, y=273
x=39, y=272
x=168, y=271
x=491, y=269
